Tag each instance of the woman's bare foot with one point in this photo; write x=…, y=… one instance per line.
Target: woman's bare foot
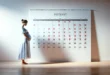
x=23, y=62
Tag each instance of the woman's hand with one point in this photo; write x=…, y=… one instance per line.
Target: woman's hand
x=27, y=37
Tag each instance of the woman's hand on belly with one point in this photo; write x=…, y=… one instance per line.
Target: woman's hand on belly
x=27, y=37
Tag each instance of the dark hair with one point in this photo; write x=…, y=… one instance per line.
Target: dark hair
x=24, y=21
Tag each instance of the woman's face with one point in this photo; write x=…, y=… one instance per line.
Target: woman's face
x=25, y=24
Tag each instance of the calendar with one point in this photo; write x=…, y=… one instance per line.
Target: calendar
x=60, y=34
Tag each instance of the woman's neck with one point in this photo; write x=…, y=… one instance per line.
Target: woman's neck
x=23, y=26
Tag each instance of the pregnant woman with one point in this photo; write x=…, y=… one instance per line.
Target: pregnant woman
x=25, y=47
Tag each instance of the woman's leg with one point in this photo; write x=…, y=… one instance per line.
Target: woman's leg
x=23, y=62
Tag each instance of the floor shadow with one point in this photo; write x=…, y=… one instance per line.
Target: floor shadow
x=95, y=71
x=52, y=51
x=94, y=44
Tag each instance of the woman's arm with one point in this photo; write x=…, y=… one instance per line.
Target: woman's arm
x=27, y=36
x=25, y=33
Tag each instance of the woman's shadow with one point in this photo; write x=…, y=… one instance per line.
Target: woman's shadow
x=52, y=51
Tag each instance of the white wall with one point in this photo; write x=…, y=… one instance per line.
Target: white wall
x=12, y=11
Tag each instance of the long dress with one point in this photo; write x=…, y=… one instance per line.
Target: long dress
x=25, y=47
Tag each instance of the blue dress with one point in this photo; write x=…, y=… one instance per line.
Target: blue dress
x=25, y=47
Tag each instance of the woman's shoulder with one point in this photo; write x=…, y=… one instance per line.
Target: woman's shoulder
x=24, y=29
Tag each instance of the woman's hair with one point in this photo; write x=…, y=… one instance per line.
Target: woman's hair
x=24, y=21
